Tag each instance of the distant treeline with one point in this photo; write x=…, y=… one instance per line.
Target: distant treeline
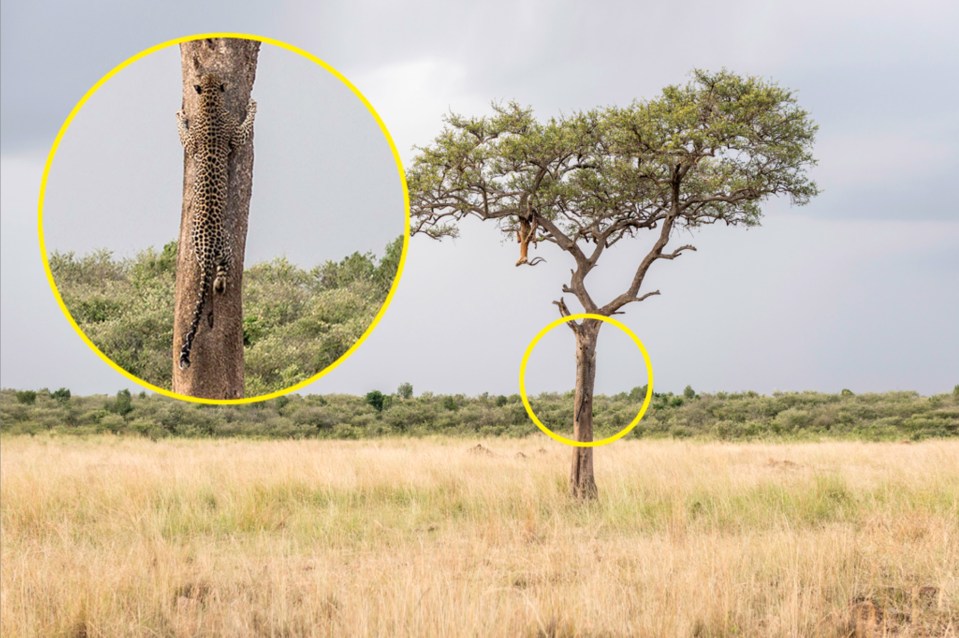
x=725, y=416
x=296, y=322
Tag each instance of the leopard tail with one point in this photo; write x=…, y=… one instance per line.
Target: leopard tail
x=205, y=282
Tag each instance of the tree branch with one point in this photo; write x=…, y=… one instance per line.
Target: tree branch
x=676, y=253
x=562, y=240
x=655, y=253
x=636, y=299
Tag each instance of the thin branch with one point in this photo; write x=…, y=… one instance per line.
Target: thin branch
x=646, y=296
x=635, y=299
x=676, y=253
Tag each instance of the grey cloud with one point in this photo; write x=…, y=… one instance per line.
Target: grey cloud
x=856, y=290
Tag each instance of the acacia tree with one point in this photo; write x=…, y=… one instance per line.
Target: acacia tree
x=705, y=152
x=217, y=368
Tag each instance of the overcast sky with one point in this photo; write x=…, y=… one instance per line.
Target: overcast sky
x=322, y=165
x=858, y=290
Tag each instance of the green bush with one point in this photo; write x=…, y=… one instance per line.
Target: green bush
x=733, y=417
x=376, y=399
x=296, y=322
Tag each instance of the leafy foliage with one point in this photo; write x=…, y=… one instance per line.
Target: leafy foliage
x=123, y=404
x=723, y=141
x=741, y=416
x=296, y=322
x=709, y=151
x=376, y=399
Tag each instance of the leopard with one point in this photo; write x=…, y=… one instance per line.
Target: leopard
x=209, y=138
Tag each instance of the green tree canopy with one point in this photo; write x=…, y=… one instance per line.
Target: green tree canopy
x=705, y=152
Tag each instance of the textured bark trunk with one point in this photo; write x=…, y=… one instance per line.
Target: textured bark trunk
x=582, y=483
x=216, y=368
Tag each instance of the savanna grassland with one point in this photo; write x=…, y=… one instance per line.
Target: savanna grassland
x=123, y=536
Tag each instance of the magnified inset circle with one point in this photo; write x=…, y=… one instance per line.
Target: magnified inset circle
x=328, y=217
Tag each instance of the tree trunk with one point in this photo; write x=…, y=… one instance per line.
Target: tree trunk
x=582, y=483
x=216, y=359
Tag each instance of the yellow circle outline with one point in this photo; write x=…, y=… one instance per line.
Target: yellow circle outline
x=337, y=75
x=529, y=408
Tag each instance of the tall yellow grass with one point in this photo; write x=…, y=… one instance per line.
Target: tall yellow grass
x=118, y=537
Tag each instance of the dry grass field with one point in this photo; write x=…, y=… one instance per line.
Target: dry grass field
x=126, y=537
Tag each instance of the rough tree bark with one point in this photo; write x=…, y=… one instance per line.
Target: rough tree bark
x=582, y=483
x=216, y=370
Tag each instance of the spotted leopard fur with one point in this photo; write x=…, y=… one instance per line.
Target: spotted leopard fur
x=209, y=138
